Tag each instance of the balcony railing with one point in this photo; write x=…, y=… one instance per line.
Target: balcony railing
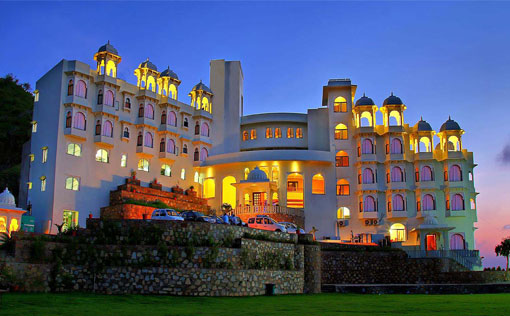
x=468, y=258
x=268, y=209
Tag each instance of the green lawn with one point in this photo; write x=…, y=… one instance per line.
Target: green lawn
x=298, y=305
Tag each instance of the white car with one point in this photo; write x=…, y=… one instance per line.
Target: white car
x=266, y=223
x=166, y=215
x=292, y=228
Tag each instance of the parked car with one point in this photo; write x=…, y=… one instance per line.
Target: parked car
x=236, y=220
x=292, y=228
x=266, y=223
x=167, y=215
x=195, y=216
x=216, y=219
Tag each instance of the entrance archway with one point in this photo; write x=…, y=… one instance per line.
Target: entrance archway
x=228, y=191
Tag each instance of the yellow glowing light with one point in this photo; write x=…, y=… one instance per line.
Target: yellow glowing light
x=294, y=166
x=14, y=226
x=398, y=232
x=209, y=188
x=229, y=191
x=295, y=191
x=318, y=184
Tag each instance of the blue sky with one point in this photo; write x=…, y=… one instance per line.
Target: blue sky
x=441, y=58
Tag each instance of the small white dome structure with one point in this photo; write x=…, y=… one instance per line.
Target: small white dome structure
x=256, y=175
x=7, y=199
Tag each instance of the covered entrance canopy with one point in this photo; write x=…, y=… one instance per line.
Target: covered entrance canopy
x=256, y=189
x=432, y=235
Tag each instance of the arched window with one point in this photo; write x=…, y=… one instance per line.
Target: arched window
x=299, y=132
x=139, y=139
x=162, y=145
x=98, y=127
x=163, y=117
x=397, y=175
x=245, y=135
x=269, y=132
x=318, y=184
x=246, y=173
x=70, y=87
x=425, y=145
x=397, y=232
x=184, y=149
x=396, y=146
x=102, y=156
x=369, y=204
x=196, y=177
x=100, y=97
x=398, y=203
x=166, y=170
x=429, y=203
x=108, y=100
x=196, y=155
x=426, y=173
x=277, y=132
x=183, y=174
x=457, y=202
x=203, y=154
x=143, y=165
x=148, y=140
x=185, y=122
x=172, y=91
x=74, y=149
x=343, y=187
x=209, y=188
x=455, y=173
x=343, y=213
x=342, y=159
x=453, y=143
x=340, y=105
x=69, y=119
x=140, y=110
x=80, y=121
x=228, y=191
x=395, y=118
x=197, y=128
x=295, y=197
x=172, y=119
x=368, y=176
x=149, y=111
x=290, y=132
x=473, y=204
x=108, y=128
x=457, y=242
x=126, y=132
x=366, y=119
x=72, y=183
x=81, y=89
x=341, y=131
x=367, y=146
x=205, y=104
x=171, y=146
x=253, y=134
x=127, y=104
x=204, y=130
x=123, y=161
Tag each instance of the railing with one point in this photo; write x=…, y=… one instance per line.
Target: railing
x=268, y=209
x=468, y=258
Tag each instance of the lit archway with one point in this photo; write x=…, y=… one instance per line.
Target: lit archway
x=228, y=191
x=209, y=188
x=295, y=197
x=397, y=232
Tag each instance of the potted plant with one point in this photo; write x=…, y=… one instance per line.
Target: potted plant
x=191, y=191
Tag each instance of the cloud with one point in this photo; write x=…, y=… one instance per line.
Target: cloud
x=504, y=155
x=507, y=227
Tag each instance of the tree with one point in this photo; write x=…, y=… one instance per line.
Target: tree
x=503, y=249
x=16, y=104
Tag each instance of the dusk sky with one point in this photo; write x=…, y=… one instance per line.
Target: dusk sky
x=441, y=58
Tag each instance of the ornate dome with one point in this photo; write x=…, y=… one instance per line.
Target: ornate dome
x=392, y=100
x=6, y=198
x=148, y=64
x=201, y=86
x=257, y=175
x=450, y=125
x=169, y=73
x=430, y=220
x=364, y=100
x=422, y=126
x=108, y=48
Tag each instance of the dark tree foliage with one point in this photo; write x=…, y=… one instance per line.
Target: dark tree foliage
x=16, y=104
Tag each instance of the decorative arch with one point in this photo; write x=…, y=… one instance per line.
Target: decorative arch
x=342, y=159
x=343, y=187
x=341, y=131
x=458, y=202
x=151, y=83
x=429, y=203
x=228, y=191
x=109, y=98
x=170, y=146
x=172, y=118
x=454, y=143
x=295, y=196
x=139, y=139
x=368, y=176
x=425, y=145
x=149, y=140
x=196, y=155
x=457, y=242
x=396, y=146
x=318, y=184
x=397, y=232
x=203, y=154
x=204, y=131
x=69, y=119
x=81, y=89
x=426, y=173
x=398, y=203
x=111, y=69
x=369, y=204
x=108, y=128
x=397, y=175
x=367, y=146
x=395, y=118
x=209, y=188
x=366, y=119
x=340, y=105
x=455, y=173
x=172, y=91
x=70, y=87
x=149, y=111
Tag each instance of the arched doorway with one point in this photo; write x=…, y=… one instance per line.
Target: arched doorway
x=228, y=191
x=295, y=197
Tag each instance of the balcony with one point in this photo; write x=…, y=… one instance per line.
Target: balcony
x=396, y=214
x=169, y=128
x=423, y=214
x=169, y=157
x=397, y=185
x=427, y=185
x=110, y=109
x=368, y=157
x=367, y=187
x=204, y=139
x=106, y=78
x=145, y=121
x=268, y=209
x=103, y=140
x=455, y=184
x=147, y=93
x=366, y=129
x=459, y=213
x=423, y=156
x=145, y=151
x=368, y=215
x=394, y=156
x=454, y=155
x=76, y=100
x=75, y=133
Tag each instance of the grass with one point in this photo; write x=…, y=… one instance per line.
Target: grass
x=77, y=304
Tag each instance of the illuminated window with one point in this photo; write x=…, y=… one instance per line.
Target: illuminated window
x=123, y=161
x=34, y=126
x=44, y=154
x=183, y=174
x=79, y=121
x=143, y=165
x=149, y=111
x=74, y=149
x=343, y=213
x=43, y=183
x=343, y=187
x=253, y=134
x=29, y=184
x=69, y=219
x=81, y=89
x=31, y=157
x=367, y=146
x=14, y=226
x=290, y=132
x=3, y=224
x=295, y=197
x=299, y=132
x=342, y=159
x=341, y=131
x=277, y=132
x=209, y=188
x=172, y=91
x=453, y=143
x=397, y=232
x=228, y=191
x=73, y=183
x=275, y=173
x=196, y=177
x=457, y=202
x=102, y=156
x=318, y=184
x=269, y=132
x=340, y=105
x=246, y=173
x=166, y=170
x=36, y=96
x=108, y=128
x=245, y=135
x=470, y=176
x=473, y=204
x=395, y=119
x=455, y=174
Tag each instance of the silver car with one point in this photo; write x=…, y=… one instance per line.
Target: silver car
x=292, y=228
x=166, y=215
x=266, y=223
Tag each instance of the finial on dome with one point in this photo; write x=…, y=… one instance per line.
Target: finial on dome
x=421, y=118
x=391, y=93
x=108, y=41
x=449, y=117
x=364, y=94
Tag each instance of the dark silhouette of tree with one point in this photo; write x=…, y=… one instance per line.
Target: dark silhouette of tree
x=503, y=249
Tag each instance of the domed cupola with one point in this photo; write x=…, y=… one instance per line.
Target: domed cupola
x=392, y=100
x=7, y=199
x=422, y=126
x=107, y=58
x=147, y=75
x=168, y=83
x=256, y=175
x=450, y=125
x=148, y=64
x=201, y=97
x=169, y=73
x=422, y=137
x=450, y=135
x=364, y=100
